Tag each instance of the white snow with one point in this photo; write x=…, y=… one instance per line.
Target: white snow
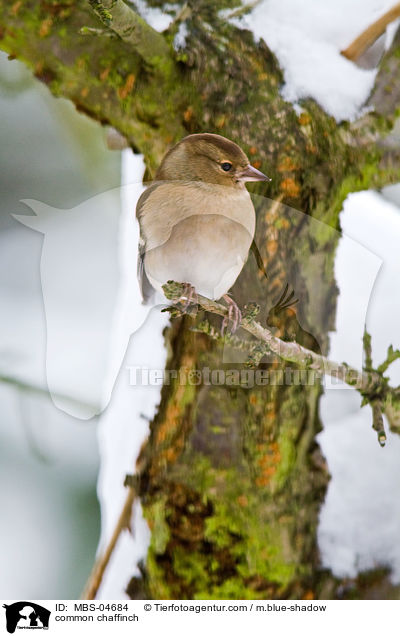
x=307, y=38
x=123, y=427
x=157, y=19
x=180, y=37
x=360, y=519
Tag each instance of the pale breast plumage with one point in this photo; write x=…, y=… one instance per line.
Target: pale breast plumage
x=190, y=240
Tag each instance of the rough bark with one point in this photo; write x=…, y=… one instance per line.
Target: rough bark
x=231, y=479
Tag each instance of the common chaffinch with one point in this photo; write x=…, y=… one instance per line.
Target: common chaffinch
x=197, y=220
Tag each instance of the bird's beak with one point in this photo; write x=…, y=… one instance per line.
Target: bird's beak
x=252, y=174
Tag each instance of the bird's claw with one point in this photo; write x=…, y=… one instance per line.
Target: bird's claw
x=234, y=315
x=188, y=296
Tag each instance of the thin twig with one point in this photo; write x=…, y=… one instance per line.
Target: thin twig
x=182, y=15
x=44, y=392
x=97, y=573
x=244, y=9
x=369, y=382
x=371, y=34
x=377, y=422
x=391, y=356
x=289, y=351
x=367, y=350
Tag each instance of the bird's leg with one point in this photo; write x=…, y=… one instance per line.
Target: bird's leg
x=234, y=315
x=188, y=295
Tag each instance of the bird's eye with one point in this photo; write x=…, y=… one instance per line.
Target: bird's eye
x=226, y=166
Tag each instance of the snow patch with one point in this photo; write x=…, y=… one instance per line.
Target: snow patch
x=123, y=427
x=360, y=519
x=159, y=20
x=307, y=38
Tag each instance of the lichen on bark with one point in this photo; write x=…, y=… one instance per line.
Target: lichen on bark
x=231, y=478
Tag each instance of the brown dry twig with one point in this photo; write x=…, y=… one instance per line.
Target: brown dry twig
x=363, y=42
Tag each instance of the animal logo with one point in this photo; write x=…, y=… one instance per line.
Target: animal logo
x=26, y=615
x=91, y=303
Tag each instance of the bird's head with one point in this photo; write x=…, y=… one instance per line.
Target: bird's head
x=209, y=158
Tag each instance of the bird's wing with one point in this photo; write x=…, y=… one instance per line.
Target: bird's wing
x=146, y=289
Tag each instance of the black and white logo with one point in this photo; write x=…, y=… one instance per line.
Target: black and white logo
x=26, y=615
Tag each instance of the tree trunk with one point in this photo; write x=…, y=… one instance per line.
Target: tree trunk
x=231, y=478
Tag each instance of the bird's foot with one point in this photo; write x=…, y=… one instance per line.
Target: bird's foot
x=188, y=296
x=234, y=315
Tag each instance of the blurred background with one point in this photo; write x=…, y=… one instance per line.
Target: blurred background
x=50, y=519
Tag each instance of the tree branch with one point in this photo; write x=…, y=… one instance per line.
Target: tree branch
x=123, y=523
x=371, y=34
x=385, y=96
x=134, y=90
x=370, y=382
x=246, y=8
x=132, y=29
x=33, y=389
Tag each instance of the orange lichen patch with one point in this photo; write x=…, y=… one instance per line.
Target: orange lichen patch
x=257, y=164
x=287, y=165
x=105, y=73
x=188, y=114
x=270, y=416
x=171, y=454
x=168, y=426
x=268, y=463
x=243, y=501
x=290, y=187
x=284, y=224
x=275, y=457
x=311, y=148
x=272, y=247
x=308, y=596
x=124, y=90
x=304, y=119
x=277, y=284
x=262, y=481
x=16, y=7
x=85, y=91
x=45, y=27
x=175, y=408
x=253, y=150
